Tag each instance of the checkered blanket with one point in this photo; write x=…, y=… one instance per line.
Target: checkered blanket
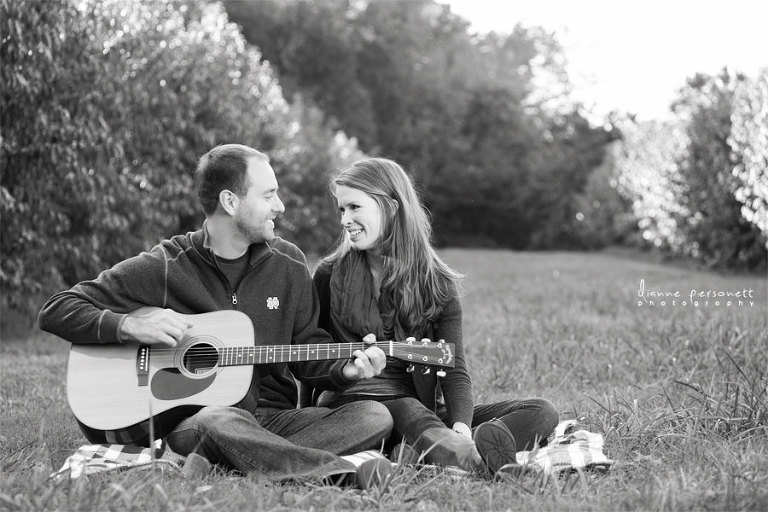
x=95, y=458
x=567, y=449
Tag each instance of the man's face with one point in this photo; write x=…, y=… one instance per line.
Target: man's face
x=260, y=204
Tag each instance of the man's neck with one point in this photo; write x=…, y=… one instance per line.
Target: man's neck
x=222, y=239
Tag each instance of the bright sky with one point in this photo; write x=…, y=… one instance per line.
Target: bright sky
x=634, y=55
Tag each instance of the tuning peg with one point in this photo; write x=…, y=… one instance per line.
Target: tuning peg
x=410, y=368
x=426, y=370
x=440, y=373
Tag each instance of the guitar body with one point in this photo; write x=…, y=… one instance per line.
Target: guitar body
x=114, y=390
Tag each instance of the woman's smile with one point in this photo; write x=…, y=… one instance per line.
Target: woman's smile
x=360, y=217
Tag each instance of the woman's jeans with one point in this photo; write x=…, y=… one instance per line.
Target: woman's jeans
x=278, y=444
x=530, y=420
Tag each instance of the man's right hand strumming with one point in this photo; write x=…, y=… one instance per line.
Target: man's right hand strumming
x=161, y=327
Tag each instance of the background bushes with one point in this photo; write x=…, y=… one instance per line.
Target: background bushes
x=107, y=106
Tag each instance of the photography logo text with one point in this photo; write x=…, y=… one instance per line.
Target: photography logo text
x=695, y=298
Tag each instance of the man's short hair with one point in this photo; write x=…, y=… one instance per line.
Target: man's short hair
x=223, y=168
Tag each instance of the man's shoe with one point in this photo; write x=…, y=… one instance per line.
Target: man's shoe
x=196, y=466
x=404, y=453
x=496, y=445
x=374, y=473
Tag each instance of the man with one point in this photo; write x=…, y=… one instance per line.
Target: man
x=235, y=262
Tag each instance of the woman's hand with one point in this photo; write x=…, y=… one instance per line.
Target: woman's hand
x=366, y=363
x=463, y=429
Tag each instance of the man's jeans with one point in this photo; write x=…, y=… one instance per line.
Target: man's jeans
x=278, y=444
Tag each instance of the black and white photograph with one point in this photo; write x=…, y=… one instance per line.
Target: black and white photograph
x=400, y=255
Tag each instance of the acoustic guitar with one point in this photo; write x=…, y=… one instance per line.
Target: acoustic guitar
x=115, y=390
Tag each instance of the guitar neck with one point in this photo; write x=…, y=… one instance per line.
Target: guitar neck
x=268, y=354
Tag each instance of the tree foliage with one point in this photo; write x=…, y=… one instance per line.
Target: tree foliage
x=467, y=114
x=124, y=98
x=107, y=105
x=749, y=140
x=716, y=232
x=647, y=174
x=603, y=216
x=55, y=192
x=305, y=164
x=687, y=179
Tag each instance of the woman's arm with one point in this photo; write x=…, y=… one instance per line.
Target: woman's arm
x=457, y=384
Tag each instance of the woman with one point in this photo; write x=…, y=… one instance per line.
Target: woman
x=385, y=278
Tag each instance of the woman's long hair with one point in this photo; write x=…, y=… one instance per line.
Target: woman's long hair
x=418, y=280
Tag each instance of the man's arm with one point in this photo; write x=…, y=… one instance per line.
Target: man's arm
x=96, y=311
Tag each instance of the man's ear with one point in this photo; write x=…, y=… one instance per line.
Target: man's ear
x=228, y=201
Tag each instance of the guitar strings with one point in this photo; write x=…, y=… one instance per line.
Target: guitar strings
x=283, y=348
x=303, y=355
x=205, y=354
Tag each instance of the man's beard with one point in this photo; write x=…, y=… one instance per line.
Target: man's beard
x=252, y=233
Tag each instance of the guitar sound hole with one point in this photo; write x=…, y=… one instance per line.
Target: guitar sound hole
x=201, y=359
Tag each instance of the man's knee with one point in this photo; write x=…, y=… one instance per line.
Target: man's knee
x=372, y=415
x=210, y=418
x=214, y=413
x=378, y=416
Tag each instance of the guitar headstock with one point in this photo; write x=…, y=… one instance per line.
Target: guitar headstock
x=430, y=353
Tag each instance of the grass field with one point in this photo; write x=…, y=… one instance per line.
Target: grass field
x=680, y=393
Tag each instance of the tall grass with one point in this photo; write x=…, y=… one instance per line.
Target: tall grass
x=680, y=394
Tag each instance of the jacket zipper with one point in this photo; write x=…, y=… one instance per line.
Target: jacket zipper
x=226, y=281
x=233, y=292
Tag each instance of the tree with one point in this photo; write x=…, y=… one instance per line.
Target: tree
x=106, y=111
x=603, y=216
x=304, y=165
x=573, y=150
x=468, y=115
x=55, y=139
x=749, y=140
x=715, y=231
x=647, y=172
x=315, y=48
x=491, y=179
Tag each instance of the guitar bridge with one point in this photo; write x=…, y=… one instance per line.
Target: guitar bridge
x=142, y=365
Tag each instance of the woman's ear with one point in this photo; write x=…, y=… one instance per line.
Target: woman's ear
x=228, y=201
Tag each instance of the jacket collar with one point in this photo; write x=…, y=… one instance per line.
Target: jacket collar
x=257, y=252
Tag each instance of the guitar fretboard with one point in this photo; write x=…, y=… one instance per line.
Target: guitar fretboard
x=233, y=356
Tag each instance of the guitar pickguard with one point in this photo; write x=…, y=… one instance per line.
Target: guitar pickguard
x=170, y=384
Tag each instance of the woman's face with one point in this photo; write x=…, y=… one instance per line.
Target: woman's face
x=361, y=218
